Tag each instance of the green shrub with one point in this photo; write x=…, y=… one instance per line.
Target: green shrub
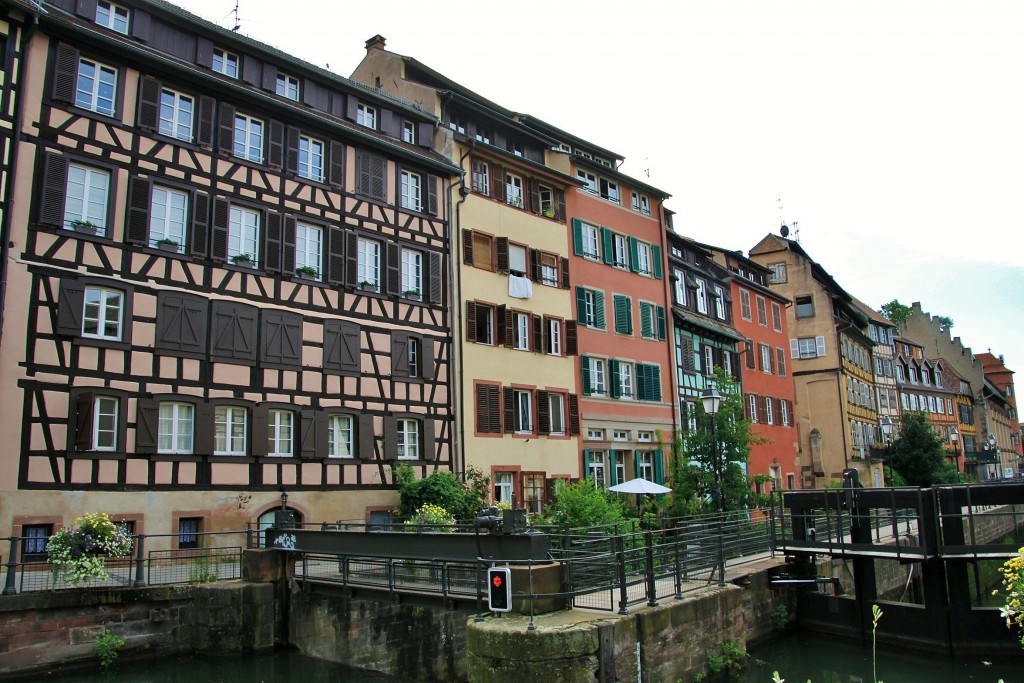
x=463, y=499
x=582, y=504
x=107, y=646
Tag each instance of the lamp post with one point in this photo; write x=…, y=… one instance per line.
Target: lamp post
x=712, y=401
x=954, y=436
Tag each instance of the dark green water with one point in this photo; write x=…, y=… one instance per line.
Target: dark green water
x=806, y=656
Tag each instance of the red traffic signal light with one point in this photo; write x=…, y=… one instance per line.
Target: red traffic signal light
x=499, y=589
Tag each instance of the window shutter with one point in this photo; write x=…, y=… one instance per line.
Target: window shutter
x=577, y=237
x=65, y=72
x=259, y=432
x=503, y=332
x=435, y=276
x=470, y=321
x=425, y=133
x=399, y=354
x=275, y=144
x=497, y=182
x=581, y=305
x=607, y=246
x=560, y=201
x=571, y=338
x=564, y=263
x=429, y=446
x=55, y=181
x=200, y=222
x=574, y=415
x=204, y=52
x=432, y=207
x=543, y=413
x=149, y=103
x=646, y=322
x=288, y=245
x=221, y=212
x=269, y=77
x=641, y=382
x=623, y=314
x=660, y=315
x=615, y=377
x=538, y=334
x=390, y=437
x=341, y=346
x=234, y=329
x=510, y=409
x=140, y=25
x=819, y=346
x=336, y=167
x=281, y=339
x=251, y=70
x=535, y=265
x=656, y=257
x=363, y=178
x=746, y=407
x=659, y=466
x=336, y=255
x=365, y=438
x=428, y=368
x=226, y=128
x=613, y=476
x=137, y=228
x=86, y=9
x=655, y=371
x=292, y=149
x=351, y=107
x=501, y=248
x=533, y=191
x=181, y=324
x=378, y=183
x=204, y=441
x=467, y=247
x=272, y=243
x=484, y=413
x=83, y=422
x=634, y=254
x=636, y=464
x=599, y=321
x=392, y=268
x=309, y=435
x=69, y=308
x=780, y=361
x=585, y=374
x=147, y=425
x=351, y=258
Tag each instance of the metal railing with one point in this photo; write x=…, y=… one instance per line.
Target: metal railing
x=216, y=556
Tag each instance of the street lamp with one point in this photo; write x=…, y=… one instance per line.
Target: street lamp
x=712, y=401
x=887, y=429
x=954, y=436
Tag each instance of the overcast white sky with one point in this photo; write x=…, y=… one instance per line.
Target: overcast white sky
x=892, y=131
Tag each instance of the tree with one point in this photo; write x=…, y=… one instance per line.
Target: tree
x=896, y=312
x=463, y=499
x=694, y=473
x=945, y=321
x=582, y=504
x=917, y=454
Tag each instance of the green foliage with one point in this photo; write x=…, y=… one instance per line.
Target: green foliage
x=917, y=454
x=582, y=504
x=780, y=616
x=107, y=646
x=77, y=552
x=945, y=321
x=463, y=499
x=897, y=312
x=894, y=478
x=731, y=659
x=433, y=515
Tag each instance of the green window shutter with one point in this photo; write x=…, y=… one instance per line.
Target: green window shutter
x=634, y=254
x=585, y=369
x=586, y=462
x=656, y=256
x=636, y=464
x=599, y=321
x=641, y=381
x=654, y=385
x=659, y=467
x=623, y=315
x=612, y=475
x=660, y=312
x=613, y=370
x=581, y=306
x=577, y=236
x=646, y=320
x=607, y=248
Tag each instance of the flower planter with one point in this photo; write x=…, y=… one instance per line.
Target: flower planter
x=87, y=229
x=166, y=246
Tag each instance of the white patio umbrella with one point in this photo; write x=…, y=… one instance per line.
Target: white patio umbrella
x=639, y=485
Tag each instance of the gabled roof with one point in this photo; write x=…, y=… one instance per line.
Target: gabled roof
x=705, y=326
x=872, y=314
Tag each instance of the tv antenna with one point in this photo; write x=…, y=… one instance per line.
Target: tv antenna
x=238, y=22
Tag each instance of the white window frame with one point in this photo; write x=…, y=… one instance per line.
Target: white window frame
x=709, y=360
x=244, y=233
x=767, y=360
x=556, y=413
x=287, y=86
x=412, y=191
x=784, y=410
x=645, y=205
x=503, y=487
x=366, y=115
x=309, y=243
x=643, y=257
x=408, y=445
x=680, y=286
x=626, y=390
x=523, y=411
x=412, y=274
x=280, y=433
x=752, y=403
x=520, y=331
x=620, y=251
x=702, y=296
x=554, y=338
x=176, y=427
x=646, y=465
x=610, y=191
x=311, y=158
x=103, y=313
x=409, y=132
x=596, y=468
x=225, y=62
x=105, y=423
x=486, y=313
x=87, y=196
x=177, y=114
x=368, y=263
x=589, y=180
x=719, y=303
x=230, y=427
x=340, y=431
x=769, y=411
x=96, y=87
x=168, y=216
x=412, y=356
x=645, y=437
x=808, y=347
x=513, y=190
x=112, y=16
x=620, y=435
x=597, y=377
x=591, y=243
x=517, y=260
x=595, y=435
x=248, y=138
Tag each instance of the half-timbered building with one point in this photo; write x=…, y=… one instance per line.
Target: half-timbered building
x=228, y=280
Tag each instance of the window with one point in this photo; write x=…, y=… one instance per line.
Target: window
x=769, y=411
x=780, y=361
x=408, y=438
x=368, y=264
x=609, y=191
x=643, y=258
x=597, y=376
x=412, y=186
x=97, y=87
x=309, y=248
x=548, y=269
x=645, y=466
x=230, y=425
x=807, y=347
x=766, y=358
x=409, y=132
x=311, y=158
x=102, y=313
x=727, y=363
x=590, y=307
x=366, y=116
x=339, y=436
x=34, y=539
x=752, y=407
x=243, y=233
x=623, y=313
x=412, y=274
x=680, y=287
x=112, y=16
x=652, y=321
x=413, y=356
x=522, y=411
x=626, y=380
x=480, y=324
x=481, y=177
x=588, y=237
x=762, y=312
x=225, y=62
x=176, y=112
x=702, y=297
x=589, y=181
x=280, y=433
x=517, y=260
x=176, y=427
x=719, y=303
x=553, y=342
x=709, y=360
x=595, y=435
x=548, y=203
x=481, y=251
x=168, y=212
x=86, y=197
x=188, y=532
x=503, y=487
x=533, y=492
x=556, y=413
x=620, y=255
x=648, y=382
x=778, y=274
x=520, y=331
x=104, y=423
x=745, y=311
x=248, y=142
x=458, y=124
x=784, y=412
x=620, y=435
x=776, y=317
x=513, y=190
x=595, y=468
x=287, y=86
x=641, y=203
x=804, y=307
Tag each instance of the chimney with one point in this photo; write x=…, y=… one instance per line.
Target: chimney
x=376, y=43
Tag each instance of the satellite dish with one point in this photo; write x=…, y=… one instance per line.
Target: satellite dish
x=784, y=230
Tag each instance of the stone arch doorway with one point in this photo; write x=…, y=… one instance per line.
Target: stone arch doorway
x=270, y=518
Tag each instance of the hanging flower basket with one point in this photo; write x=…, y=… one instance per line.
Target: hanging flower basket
x=77, y=552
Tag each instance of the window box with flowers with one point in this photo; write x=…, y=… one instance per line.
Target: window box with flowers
x=77, y=552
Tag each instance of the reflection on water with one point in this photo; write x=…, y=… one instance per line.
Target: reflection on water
x=806, y=656
x=279, y=667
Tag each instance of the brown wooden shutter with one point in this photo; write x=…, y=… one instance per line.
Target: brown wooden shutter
x=204, y=52
x=429, y=441
x=336, y=255
x=137, y=228
x=275, y=146
x=378, y=188
x=233, y=332
x=221, y=213
x=538, y=334
x=341, y=346
x=336, y=168
x=560, y=201
x=504, y=334
x=471, y=321
x=181, y=323
x=435, y=277
x=320, y=428
x=497, y=182
x=69, y=308
x=308, y=442
x=83, y=421
x=432, y=204
x=149, y=103
x=501, y=248
x=427, y=366
x=292, y=155
x=571, y=338
x=200, y=222
x=269, y=77
x=86, y=9
x=259, y=432
x=467, y=246
x=351, y=258
x=543, y=413
x=574, y=415
x=363, y=179
x=272, y=243
x=204, y=438
x=147, y=425
x=55, y=181
x=393, y=268
x=535, y=273
x=366, y=438
x=251, y=70
x=390, y=437
x=399, y=354
x=288, y=246
x=483, y=408
x=65, y=72
x=510, y=409
x=281, y=339
x=140, y=25
x=533, y=191
x=565, y=273
x=425, y=134
x=226, y=128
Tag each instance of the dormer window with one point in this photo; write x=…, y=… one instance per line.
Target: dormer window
x=483, y=135
x=288, y=86
x=366, y=116
x=225, y=62
x=458, y=124
x=112, y=16
x=589, y=180
x=409, y=132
